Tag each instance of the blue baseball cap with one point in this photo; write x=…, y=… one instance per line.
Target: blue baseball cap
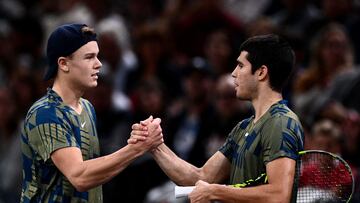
x=64, y=41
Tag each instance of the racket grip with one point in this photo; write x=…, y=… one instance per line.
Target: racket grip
x=183, y=191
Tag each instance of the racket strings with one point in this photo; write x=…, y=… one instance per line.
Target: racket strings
x=323, y=178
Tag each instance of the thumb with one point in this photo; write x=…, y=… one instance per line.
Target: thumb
x=157, y=121
x=147, y=121
x=198, y=182
x=155, y=124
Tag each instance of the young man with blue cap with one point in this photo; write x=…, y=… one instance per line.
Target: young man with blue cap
x=59, y=142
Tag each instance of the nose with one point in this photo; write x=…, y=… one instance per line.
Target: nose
x=98, y=63
x=233, y=74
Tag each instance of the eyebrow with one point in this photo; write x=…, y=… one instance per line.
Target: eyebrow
x=239, y=62
x=90, y=54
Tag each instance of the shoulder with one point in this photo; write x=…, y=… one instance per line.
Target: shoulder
x=280, y=122
x=242, y=125
x=281, y=112
x=281, y=118
x=45, y=110
x=42, y=106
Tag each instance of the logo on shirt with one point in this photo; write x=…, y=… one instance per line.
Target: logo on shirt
x=83, y=124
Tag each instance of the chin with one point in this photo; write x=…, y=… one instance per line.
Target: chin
x=242, y=97
x=93, y=84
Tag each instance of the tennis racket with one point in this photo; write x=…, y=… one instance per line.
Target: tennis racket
x=322, y=177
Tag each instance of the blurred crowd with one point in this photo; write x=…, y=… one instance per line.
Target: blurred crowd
x=172, y=59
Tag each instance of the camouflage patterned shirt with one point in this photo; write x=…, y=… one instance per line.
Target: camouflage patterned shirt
x=250, y=146
x=51, y=125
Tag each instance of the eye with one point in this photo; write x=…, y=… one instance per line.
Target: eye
x=90, y=56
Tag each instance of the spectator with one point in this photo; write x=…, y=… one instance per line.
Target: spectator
x=118, y=59
x=331, y=55
x=10, y=153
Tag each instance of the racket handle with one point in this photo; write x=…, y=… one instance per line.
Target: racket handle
x=183, y=191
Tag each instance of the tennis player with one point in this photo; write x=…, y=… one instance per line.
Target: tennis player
x=59, y=142
x=260, y=152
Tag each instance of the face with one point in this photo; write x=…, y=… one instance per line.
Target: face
x=245, y=82
x=84, y=66
x=334, y=50
x=197, y=86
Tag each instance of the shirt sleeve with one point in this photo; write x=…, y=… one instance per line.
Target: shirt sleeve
x=282, y=137
x=48, y=131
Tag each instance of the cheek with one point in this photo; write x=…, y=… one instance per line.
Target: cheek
x=242, y=80
x=246, y=85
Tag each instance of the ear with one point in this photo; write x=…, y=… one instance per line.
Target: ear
x=62, y=63
x=262, y=72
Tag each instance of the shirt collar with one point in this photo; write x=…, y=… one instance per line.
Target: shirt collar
x=53, y=95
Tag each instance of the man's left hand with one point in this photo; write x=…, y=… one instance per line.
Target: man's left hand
x=201, y=192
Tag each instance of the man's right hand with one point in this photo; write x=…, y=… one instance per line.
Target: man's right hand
x=147, y=134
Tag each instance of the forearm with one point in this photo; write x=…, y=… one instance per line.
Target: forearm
x=265, y=193
x=280, y=173
x=94, y=172
x=97, y=171
x=178, y=170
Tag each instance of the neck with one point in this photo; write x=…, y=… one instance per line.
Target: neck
x=69, y=94
x=264, y=101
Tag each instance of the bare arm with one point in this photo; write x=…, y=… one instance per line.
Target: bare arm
x=280, y=174
x=85, y=175
x=215, y=170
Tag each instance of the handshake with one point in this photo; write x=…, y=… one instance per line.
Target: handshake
x=146, y=135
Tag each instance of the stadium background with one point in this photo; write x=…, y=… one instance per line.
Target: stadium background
x=172, y=59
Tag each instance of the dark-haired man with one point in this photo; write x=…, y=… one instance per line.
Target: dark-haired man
x=260, y=152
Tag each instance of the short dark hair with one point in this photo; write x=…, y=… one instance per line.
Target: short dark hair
x=273, y=52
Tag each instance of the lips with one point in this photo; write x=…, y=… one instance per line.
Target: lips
x=95, y=75
x=235, y=86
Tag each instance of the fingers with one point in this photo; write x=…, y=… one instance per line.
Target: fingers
x=139, y=127
x=138, y=133
x=198, y=182
x=154, y=127
x=158, y=141
x=156, y=121
x=147, y=134
x=132, y=141
x=138, y=137
x=147, y=121
x=135, y=138
x=148, y=127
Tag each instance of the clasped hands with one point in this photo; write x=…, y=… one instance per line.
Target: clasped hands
x=147, y=134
